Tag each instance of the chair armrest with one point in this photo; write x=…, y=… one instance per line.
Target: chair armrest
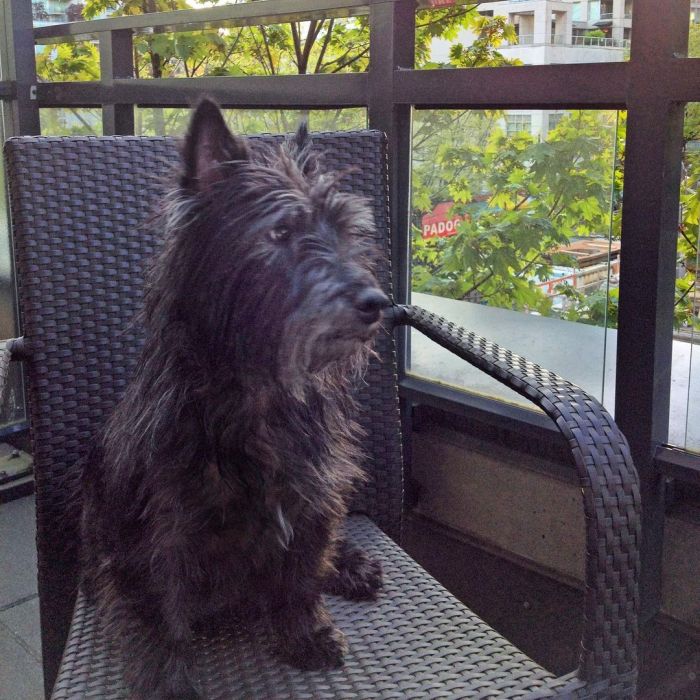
x=608, y=479
x=16, y=347
x=13, y=349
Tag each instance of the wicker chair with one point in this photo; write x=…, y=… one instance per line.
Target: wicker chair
x=78, y=207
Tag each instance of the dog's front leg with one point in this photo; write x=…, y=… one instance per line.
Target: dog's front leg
x=150, y=615
x=355, y=576
x=307, y=637
x=155, y=648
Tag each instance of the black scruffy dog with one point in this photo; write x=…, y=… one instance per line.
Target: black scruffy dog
x=223, y=475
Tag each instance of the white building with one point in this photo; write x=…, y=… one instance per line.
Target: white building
x=53, y=11
x=566, y=31
x=557, y=31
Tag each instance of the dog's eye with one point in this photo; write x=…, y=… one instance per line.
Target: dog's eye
x=280, y=234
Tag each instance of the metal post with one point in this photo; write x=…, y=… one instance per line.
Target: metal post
x=117, y=61
x=647, y=274
x=19, y=29
x=392, y=48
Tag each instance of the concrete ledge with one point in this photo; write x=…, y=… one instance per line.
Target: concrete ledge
x=510, y=504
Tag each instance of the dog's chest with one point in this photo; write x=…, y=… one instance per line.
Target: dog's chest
x=253, y=522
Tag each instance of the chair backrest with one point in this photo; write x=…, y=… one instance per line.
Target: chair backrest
x=79, y=213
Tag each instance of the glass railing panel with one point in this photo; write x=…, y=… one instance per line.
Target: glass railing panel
x=12, y=409
x=515, y=219
x=154, y=121
x=684, y=425
x=71, y=121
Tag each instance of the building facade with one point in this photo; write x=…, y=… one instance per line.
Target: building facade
x=566, y=31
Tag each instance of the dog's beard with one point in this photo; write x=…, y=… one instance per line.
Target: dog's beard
x=313, y=346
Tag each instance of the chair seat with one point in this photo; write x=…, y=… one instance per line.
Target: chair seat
x=416, y=641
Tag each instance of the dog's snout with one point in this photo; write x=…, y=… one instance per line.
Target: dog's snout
x=369, y=302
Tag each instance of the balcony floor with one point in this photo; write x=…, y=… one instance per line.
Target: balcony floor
x=20, y=643
x=538, y=614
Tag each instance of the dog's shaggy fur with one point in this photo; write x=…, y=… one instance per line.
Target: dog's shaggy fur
x=221, y=479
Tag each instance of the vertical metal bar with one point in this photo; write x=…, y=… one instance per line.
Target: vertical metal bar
x=647, y=274
x=392, y=48
x=22, y=67
x=117, y=61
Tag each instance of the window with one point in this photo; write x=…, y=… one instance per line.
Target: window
x=553, y=120
x=515, y=123
x=515, y=235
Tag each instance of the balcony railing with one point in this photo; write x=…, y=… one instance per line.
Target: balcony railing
x=563, y=40
x=601, y=41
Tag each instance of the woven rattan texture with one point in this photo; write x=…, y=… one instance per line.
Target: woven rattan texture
x=611, y=497
x=5, y=359
x=416, y=641
x=78, y=209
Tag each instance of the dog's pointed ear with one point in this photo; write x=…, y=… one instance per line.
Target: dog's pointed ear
x=209, y=147
x=301, y=147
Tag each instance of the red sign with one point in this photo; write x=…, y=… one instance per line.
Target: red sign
x=549, y=287
x=440, y=223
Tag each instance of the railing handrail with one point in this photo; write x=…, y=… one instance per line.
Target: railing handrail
x=266, y=12
x=563, y=40
x=602, y=41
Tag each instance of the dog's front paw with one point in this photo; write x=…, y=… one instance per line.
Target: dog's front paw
x=190, y=693
x=323, y=649
x=357, y=577
x=170, y=689
x=172, y=682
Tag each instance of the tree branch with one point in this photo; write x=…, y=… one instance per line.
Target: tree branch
x=475, y=287
x=529, y=265
x=692, y=245
x=297, y=42
x=311, y=36
x=267, y=49
x=684, y=295
x=449, y=17
x=326, y=41
x=340, y=66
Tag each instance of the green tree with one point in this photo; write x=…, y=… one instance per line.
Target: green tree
x=688, y=283
x=320, y=46
x=520, y=201
x=77, y=61
x=489, y=34
x=317, y=46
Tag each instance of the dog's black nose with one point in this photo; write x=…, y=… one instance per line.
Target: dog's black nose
x=369, y=302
